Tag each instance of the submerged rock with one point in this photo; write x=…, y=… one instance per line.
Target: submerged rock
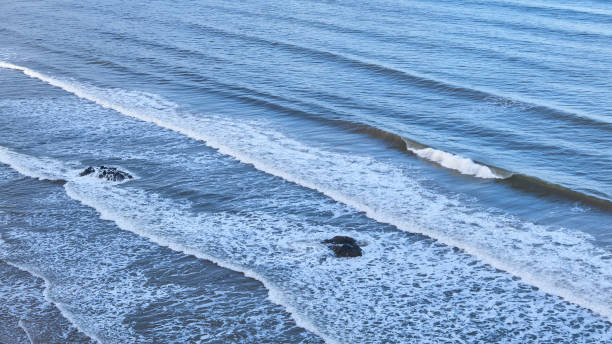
x=109, y=173
x=343, y=246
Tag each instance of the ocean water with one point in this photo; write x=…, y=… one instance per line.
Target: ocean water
x=466, y=146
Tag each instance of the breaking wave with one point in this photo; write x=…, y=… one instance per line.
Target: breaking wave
x=455, y=162
x=569, y=266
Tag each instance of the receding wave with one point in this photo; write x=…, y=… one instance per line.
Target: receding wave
x=39, y=168
x=128, y=222
x=74, y=184
x=299, y=273
x=64, y=311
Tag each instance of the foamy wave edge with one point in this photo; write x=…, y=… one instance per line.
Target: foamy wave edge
x=448, y=160
x=42, y=169
x=275, y=295
x=26, y=165
x=528, y=278
x=62, y=309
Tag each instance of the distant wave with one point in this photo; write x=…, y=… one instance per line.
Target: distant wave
x=556, y=6
x=415, y=78
x=425, y=81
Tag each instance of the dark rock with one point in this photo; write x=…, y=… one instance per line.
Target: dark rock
x=87, y=171
x=109, y=173
x=343, y=246
x=339, y=240
x=346, y=250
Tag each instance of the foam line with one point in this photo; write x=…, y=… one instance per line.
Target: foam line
x=170, y=119
x=448, y=160
x=28, y=165
x=274, y=294
x=25, y=329
x=38, y=168
x=65, y=312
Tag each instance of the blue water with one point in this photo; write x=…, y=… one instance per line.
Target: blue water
x=466, y=145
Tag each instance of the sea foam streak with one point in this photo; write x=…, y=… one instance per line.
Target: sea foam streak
x=559, y=262
x=284, y=251
x=39, y=318
x=43, y=169
x=61, y=307
x=81, y=189
x=448, y=160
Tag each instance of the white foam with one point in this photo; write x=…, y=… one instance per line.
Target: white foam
x=455, y=162
x=44, y=168
x=559, y=262
x=397, y=289
x=39, y=168
x=33, y=74
x=50, y=169
x=99, y=96
x=25, y=329
x=357, y=299
x=61, y=307
x=133, y=223
x=96, y=273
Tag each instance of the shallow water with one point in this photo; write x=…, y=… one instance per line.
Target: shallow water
x=465, y=146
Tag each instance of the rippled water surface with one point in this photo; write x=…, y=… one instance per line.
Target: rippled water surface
x=465, y=145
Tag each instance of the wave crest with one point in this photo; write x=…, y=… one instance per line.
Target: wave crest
x=455, y=162
x=39, y=168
